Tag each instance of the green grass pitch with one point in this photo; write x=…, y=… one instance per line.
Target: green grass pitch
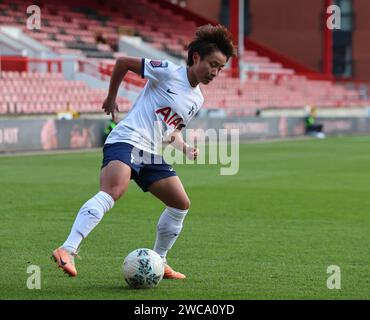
x=269, y=232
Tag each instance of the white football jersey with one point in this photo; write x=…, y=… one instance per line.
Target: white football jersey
x=167, y=102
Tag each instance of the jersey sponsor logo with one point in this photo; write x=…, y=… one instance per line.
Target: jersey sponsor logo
x=169, y=117
x=158, y=64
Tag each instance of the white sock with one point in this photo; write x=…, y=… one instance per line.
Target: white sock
x=87, y=219
x=168, y=229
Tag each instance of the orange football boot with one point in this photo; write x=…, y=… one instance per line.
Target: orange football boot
x=169, y=273
x=65, y=260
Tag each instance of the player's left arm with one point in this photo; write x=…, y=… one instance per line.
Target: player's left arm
x=177, y=141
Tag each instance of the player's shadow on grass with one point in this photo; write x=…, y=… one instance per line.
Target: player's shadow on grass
x=119, y=288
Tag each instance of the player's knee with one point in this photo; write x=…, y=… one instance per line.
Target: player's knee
x=116, y=192
x=184, y=204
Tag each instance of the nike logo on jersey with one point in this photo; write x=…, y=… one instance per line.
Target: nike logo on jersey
x=171, y=92
x=172, y=119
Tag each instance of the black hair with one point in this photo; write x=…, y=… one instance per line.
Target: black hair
x=209, y=38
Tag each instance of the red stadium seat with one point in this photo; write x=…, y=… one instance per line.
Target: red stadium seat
x=34, y=92
x=268, y=83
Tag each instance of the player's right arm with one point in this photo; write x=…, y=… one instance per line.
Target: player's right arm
x=122, y=66
x=177, y=141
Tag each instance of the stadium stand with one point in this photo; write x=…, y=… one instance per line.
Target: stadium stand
x=91, y=30
x=45, y=93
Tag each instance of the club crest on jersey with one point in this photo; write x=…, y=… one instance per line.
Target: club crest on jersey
x=192, y=110
x=172, y=119
x=158, y=64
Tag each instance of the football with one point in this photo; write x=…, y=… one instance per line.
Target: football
x=143, y=268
